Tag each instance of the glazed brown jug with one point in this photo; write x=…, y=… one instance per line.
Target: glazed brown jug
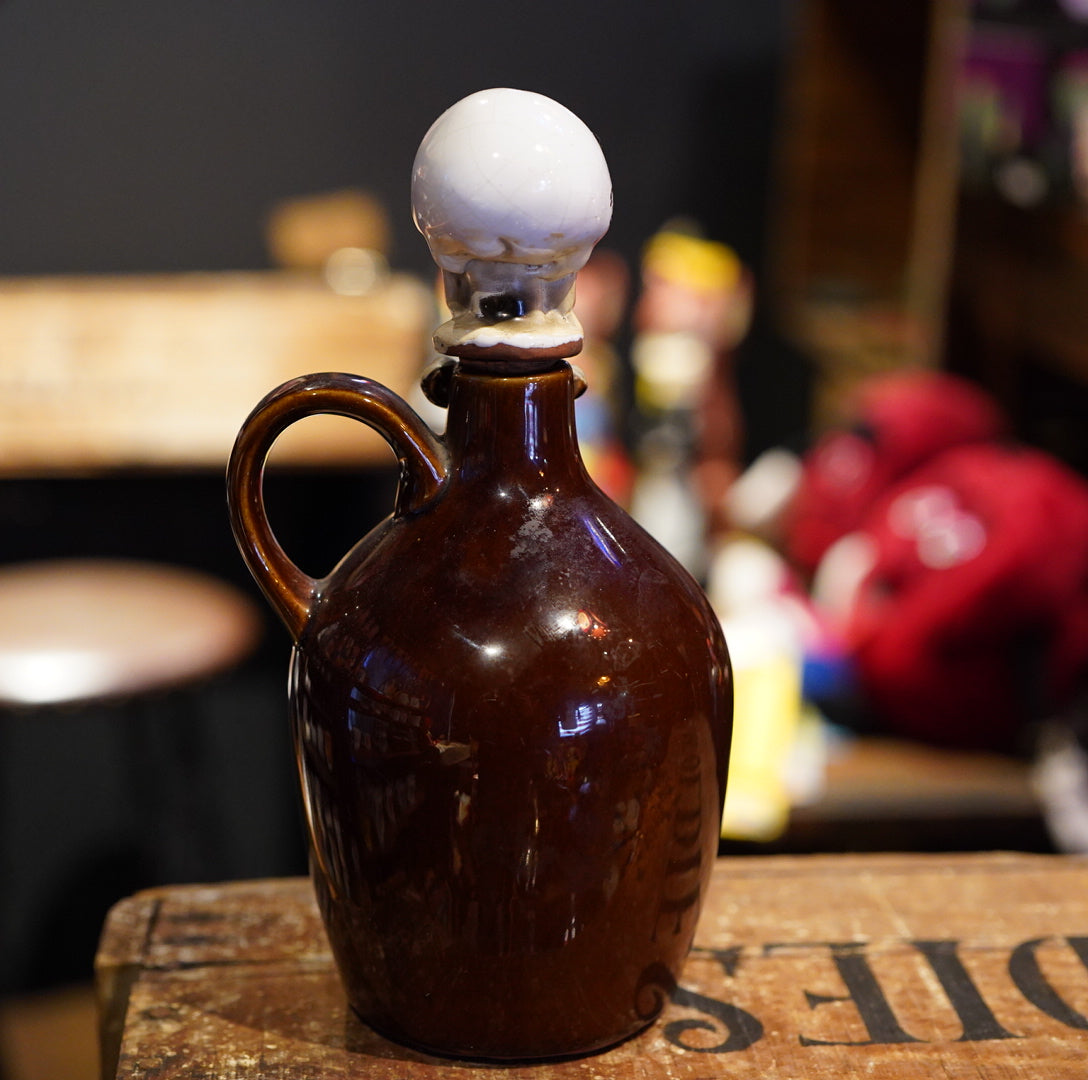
x=511, y=713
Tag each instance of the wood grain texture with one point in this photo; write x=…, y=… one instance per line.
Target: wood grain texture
x=892, y=967
x=160, y=371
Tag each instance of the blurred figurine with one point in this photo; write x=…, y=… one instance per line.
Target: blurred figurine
x=776, y=761
x=693, y=310
x=600, y=303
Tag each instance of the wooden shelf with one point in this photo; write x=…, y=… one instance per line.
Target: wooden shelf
x=160, y=371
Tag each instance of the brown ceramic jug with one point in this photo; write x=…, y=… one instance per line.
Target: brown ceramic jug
x=511, y=711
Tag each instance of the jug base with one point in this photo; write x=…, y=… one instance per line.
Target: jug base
x=507, y=1058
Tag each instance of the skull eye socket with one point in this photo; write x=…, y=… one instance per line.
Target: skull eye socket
x=500, y=307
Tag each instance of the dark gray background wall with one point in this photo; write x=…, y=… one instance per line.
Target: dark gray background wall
x=141, y=135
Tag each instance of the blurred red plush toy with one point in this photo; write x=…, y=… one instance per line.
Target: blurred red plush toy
x=898, y=422
x=973, y=617
x=969, y=615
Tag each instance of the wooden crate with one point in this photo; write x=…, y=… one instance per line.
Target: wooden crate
x=887, y=966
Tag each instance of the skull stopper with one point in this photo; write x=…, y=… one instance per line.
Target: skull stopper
x=511, y=191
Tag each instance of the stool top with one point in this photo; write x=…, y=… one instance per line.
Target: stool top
x=78, y=630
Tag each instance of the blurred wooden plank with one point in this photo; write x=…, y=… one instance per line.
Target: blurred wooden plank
x=50, y=1034
x=901, y=967
x=160, y=371
x=895, y=779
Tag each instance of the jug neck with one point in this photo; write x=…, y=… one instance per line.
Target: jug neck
x=514, y=427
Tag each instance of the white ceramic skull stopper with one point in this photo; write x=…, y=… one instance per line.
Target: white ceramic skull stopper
x=511, y=191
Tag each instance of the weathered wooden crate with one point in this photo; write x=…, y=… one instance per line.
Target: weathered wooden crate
x=892, y=967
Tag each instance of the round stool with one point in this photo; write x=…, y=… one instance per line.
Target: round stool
x=94, y=637
x=73, y=631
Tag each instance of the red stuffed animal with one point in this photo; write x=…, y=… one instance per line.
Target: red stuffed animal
x=964, y=607
x=899, y=421
x=973, y=617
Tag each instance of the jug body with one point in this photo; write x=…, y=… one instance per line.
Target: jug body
x=511, y=711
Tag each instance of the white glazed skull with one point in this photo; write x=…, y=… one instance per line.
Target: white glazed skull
x=511, y=191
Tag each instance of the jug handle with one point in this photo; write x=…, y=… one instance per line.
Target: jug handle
x=421, y=454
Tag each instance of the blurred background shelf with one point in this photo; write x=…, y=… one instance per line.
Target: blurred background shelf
x=886, y=249
x=102, y=373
